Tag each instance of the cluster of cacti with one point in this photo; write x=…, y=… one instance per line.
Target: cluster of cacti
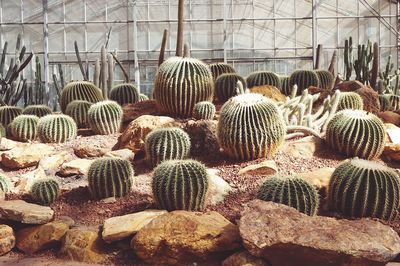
x=291, y=191
x=360, y=188
x=167, y=144
x=180, y=185
x=110, y=177
x=350, y=100
x=260, y=78
x=38, y=110
x=389, y=102
x=8, y=113
x=5, y=184
x=303, y=79
x=56, y=128
x=204, y=110
x=326, y=79
x=226, y=86
x=105, y=117
x=356, y=133
x=24, y=127
x=143, y=97
x=285, y=88
x=124, y=93
x=390, y=82
x=362, y=62
x=78, y=110
x=180, y=83
x=218, y=69
x=250, y=126
x=79, y=90
x=45, y=191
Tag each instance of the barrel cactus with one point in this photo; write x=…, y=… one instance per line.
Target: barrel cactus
x=326, y=79
x=389, y=102
x=56, y=128
x=285, y=87
x=204, y=110
x=356, y=133
x=5, y=184
x=24, y=127
x=78, y=110
x=110, y=177
x=250, y=126
x=105, y=117
x=303, y=79
x=167, y=144
x=226, y=86
x=124, y=93
x=45, y=191
x=79, y=90
x=143, y=97
x=350, y=100
x=218, y=69
x=260, y=78
x=38, y=110
x=360, y=188
x=291, y=191
x=180, y=83
x=8, y=113
x=180, y=185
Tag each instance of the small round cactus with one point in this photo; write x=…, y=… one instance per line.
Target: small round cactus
x=260, y=78
x=180, y=185
x=143, y=97
x=105, y=117
x=350, y=100
x=24, y=127
x=124, y=93
x=204, y=110
x=226, y=86
x=110, y=177
x=285, y=87
x=218, y=69
x=356, y=133
x=294, y=192
x=45, y=191
x=303, y=79
x=78, y=110
x=79, y=90
x=5, y=184
x=8, y=113
x=167, y=144
x=360, y=188
x=38, y=110
x=326, y=79
x=56, y=128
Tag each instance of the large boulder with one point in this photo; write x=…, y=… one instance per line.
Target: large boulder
x=390, y=117
x=24, y=212
x=306, y=147
x=7, y=239
x=180, y=237
x=244, y=258
x=75, y=167
x=25, y=156
x=134, y=110
x=203, y=136
x=284, y=236
x=51, y=163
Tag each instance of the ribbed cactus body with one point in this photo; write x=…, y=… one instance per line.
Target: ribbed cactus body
x=24, y=127
x=389, y=102
x=260, y=78
x=8, y=113
x=303, y=79
x=105, y=117
x=204, y=110
x=79, y=90
x=167, y=144
x=56, y=128
x=291, y=191
x=143, y=97
x=226, y=86
x=38, y=110
x=326, y=79
x=180, y=185
x=5, y=184
x=110, y=177
x=285, y=86
x=124, y=93
x=45, y=191
x=250, y=126
x=356, y=133
x=180, y=83
x=350, y=100
x=218, y=69
x=360, y=188
x=78, y=110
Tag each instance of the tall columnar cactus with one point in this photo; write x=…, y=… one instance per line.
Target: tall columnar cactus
x=204, y=110
x=79, y=90
x=218, y=69
x=143, y=97
x=38, y=110
x=291, y=191
x=180, y=185
x=260, y=78
x=124, y=93
x=180, y=83
x=78, y=110
x=110, y=177
x=303, y=79
x=348, y=57
x=326, y=79
x=45, y=191
x=8, y=113
x=360, y=188
x=56, y=128
x=105, y=117
x=167, y=144
x=226, y=86
x=356, y=133
x=285, y=86
x=250, y=126
x=389, y=102
x=24, y=127
x=5, y=184
x=350, y=100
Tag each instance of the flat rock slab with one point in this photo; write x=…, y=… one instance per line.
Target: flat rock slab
x=267, y=167
x=24, y=212
x=25, y=156
x=75, y=167
x=7, y=239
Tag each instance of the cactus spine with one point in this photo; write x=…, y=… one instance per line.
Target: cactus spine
x=326, y=79
x=8, y=113
x=303, y=79
x=5, y=184
x=350, y=100
x=78, y=110
x=105, y=117
x=124, y=94
x=226, y=86
x=38, y=110
x=218, y=69
x=45, y=191
x=204, y=110
x=260, y=78
x=24, y=127
x=56, y=128
x=79, y=90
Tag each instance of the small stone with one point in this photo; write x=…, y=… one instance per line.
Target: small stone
x=8, y=144
x=244, y=258
x=24, y=212
x=26, y=180
x=109, y=200
x=218, y=188
x=7, y=239
x=90, y=151
x=135, y=110
x=75, y=167
x=125, y=154
x=305, y=148
x=319, y=178
x=26, y=156
x=52, y=163
x=267, y=167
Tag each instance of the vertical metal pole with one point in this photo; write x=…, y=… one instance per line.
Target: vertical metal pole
x=398, y=34
x=274, y=25
x=86, y=32
x=128, y=41
x=1, y=24
x=224, y=25
x=135, y=45
x=314, y=30
x=46, y=49
x=64, y=31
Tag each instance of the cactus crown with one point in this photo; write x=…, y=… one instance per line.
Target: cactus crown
x=350, y=100
x=8, y=113
x=226, y=86
x=78, y=110
x=218, y=69
x=38, y=110
x=56, y=128
x=260, y=78
x=204, y=110
x=303, y=79
x=24, y=127
x=79, y=90
x=326, y=79
x=45, y=190
x=5, y=184
x=105, y=117
x=124, y=93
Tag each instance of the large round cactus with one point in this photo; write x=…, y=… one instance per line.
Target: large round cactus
x=350, y=100
x=260, y=78
x=204, y=110
x=56, y=128
x=291, y=191
x=360, y=188
x=45, y=191
x=78, y=110
x=180, y=185
x=110, y=177
x=180, y=83
x=105, y=117
x=167, y=144
x=303, y=79
x=8, y=113
x=24, y=127
x=5, y=184
x=124, y=93
x=226, y=86
x=356, y=133
x=38, y=110
x=326, y=79
x=218, y=69
x=79, y=90
x=250, y=126
x=285, y=87
x=389, y=102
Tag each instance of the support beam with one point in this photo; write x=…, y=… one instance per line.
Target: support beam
x=46, y=50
